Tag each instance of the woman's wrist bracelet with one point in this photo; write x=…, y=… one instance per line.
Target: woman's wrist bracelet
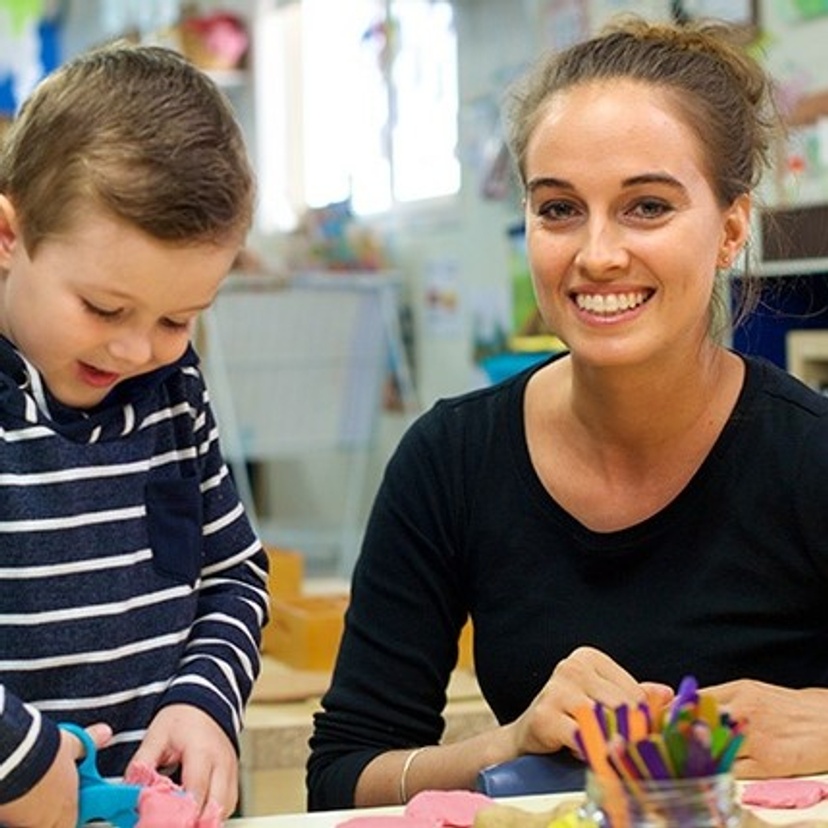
x=409, y=760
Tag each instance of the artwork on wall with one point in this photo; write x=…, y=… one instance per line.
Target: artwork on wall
x=806, y=9
x=741, y=12
x=28, y=49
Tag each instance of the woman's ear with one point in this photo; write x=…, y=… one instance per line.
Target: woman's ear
x=9, y=231
x=736, y=229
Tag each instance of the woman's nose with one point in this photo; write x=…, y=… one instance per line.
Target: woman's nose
x=602, y=249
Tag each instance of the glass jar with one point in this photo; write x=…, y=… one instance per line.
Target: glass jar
x=701, y=802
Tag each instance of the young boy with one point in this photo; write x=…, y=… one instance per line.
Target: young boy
x=132, y=587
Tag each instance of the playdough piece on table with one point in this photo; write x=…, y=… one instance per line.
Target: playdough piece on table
x=162, y=803
x=448, y=809
x=784, y=793
x=387, y=822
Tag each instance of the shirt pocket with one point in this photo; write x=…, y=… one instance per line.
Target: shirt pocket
x=174, y=526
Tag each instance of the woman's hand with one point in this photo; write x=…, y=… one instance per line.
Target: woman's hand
x=585, y=677
x=53, y=801
x=787, y=730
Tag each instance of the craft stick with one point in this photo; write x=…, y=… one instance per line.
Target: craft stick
x=601, y=717
x=638, y=725
x=594, y=742
x=658, y=740
x=687, y=694
x=622, y=720
x=579, y=743
x=677, y=748
x=595, y=748
x=699, y=762
x=728, y=756
x=652, y=758
x=719, y=739
x=657, y=709
x=708, y=710
x=623, y=764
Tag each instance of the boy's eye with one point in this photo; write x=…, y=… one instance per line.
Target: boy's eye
x=175, y=326
x=102, y=312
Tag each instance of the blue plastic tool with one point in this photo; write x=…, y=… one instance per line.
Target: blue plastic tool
x=99, y=800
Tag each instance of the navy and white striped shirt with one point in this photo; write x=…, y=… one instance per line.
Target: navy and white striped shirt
x=130, y=577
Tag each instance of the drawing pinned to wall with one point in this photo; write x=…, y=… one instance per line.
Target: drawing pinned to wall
x=441, y=298
x=484, y=150
x=491, y=321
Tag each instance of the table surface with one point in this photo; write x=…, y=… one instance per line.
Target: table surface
x=330, y=819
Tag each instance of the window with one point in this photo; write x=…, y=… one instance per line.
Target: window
x=377, y=101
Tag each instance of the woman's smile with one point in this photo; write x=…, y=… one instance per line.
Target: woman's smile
x=611, y=304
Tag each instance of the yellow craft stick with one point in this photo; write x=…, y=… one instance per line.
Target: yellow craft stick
x=708, y=710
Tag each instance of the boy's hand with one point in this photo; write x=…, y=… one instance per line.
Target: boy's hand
x=184, y=735
x=53, y=801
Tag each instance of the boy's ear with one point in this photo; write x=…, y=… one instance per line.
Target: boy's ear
x=9, y=231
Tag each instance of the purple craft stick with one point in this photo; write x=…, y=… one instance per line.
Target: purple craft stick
x=687, y=693
x=622, y=720
x=652, y=759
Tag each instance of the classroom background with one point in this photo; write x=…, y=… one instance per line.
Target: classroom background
x=386, y=269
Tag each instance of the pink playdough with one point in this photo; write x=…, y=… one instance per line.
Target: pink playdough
x=387, y=822
x=162, y=803
x=785, y=793
x=448, y=809
x=429, y=809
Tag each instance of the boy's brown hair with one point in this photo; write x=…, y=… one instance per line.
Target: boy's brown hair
x=135, y=130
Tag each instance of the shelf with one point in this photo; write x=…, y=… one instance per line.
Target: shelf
x=807, y=356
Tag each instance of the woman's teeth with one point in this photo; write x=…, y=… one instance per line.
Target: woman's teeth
x=609, y=303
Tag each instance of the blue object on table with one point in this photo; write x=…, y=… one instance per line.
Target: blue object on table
x=533, y=774
x=99, y=800
x=501, y=366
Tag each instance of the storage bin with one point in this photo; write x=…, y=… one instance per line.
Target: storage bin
x=304, y=631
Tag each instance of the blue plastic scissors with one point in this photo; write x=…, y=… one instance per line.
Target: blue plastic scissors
x=99, y=800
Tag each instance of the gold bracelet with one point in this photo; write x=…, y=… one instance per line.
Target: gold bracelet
x=405, y=768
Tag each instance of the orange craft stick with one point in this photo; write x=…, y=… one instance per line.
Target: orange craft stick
x=638, y=725
x=595, y=745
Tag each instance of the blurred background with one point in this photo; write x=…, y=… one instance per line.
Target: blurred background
x=386, y=266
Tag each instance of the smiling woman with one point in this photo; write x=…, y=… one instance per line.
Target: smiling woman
x=649, y=471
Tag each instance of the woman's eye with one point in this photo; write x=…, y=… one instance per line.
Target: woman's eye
x=558, y=210
x=651, y=208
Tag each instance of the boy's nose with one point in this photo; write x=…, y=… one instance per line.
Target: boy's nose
x=132, y=347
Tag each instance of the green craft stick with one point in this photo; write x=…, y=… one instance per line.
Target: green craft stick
x=729, y=754
x=676, y=745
